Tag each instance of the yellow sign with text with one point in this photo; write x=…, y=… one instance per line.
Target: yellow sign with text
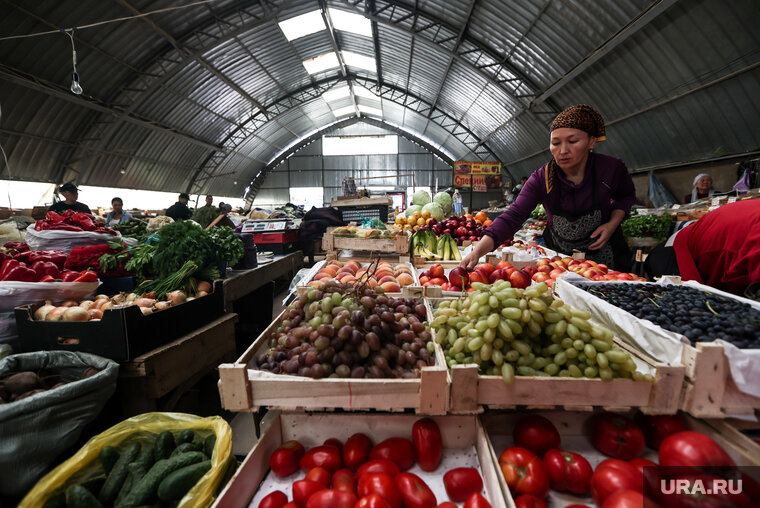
x=479, y=183
x=486, y=168
x=462, y=180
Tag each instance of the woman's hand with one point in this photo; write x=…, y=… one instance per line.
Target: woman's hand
x=484, y=246
x=604, y=233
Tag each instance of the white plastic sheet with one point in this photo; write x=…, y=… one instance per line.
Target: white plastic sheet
x=13, y=294
x=65, y=240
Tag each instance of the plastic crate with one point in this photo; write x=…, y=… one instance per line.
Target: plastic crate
x=357, y=213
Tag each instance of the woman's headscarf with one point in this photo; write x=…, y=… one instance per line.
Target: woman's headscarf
x=582, y=117
x=695, y=192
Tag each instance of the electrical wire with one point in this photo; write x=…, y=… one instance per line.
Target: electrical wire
x=99, y=23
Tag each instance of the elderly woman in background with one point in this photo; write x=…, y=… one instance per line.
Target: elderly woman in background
x=702, y=188
x=586, y=196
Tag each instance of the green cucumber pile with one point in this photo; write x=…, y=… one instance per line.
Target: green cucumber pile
x=143, y=473
x=527, y=332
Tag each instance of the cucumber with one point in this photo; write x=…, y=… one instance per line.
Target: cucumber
x=56, y=501
x=186, y=436
x=178, y=483
x=79, y=497
x=142, y=463
x=165, y=445
x=118, y=474
x=94, y=484
x=187, y=447
x=208, y=445
x=108, y=457
x=126, y=487
x=145, y=490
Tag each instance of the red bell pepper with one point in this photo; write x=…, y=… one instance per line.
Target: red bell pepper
x=84, y=221
x=42, y=268
x=57, y=257
x=69, y=275
x=87, y=276
x=48, y=278
x=54, y=217
x=16, y=271
x=17, y=246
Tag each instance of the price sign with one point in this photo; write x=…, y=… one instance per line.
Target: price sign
x=479, y=183
x=715, y=201
x=732, y=199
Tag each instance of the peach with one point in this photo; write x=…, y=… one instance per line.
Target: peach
x=347, y=279
x=403, y=269
x=404, y=279
x=383, y=273
x=387, y=278
x=391, y=287
x=321, y=276
x=372, y=282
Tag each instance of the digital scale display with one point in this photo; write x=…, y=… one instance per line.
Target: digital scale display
x=266, y=225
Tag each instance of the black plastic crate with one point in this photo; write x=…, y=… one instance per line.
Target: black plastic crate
x=357, y=213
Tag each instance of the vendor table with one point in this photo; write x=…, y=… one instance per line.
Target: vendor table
x=155, y=381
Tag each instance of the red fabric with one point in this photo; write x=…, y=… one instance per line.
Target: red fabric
x=722, y=249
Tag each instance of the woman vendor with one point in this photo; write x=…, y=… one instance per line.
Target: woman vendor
x=586, y=196
x=702, y=188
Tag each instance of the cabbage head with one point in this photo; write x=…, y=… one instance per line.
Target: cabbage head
x=444, y=201
x=435, y=210
x=421, y=198
x=410, y=211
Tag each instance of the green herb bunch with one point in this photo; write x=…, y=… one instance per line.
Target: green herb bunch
x=141, y=261
x=653, y=226
x=136, y=229
x=227, y=246
x=180, y=242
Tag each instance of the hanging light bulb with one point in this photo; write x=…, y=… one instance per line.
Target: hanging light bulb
x=75, y=88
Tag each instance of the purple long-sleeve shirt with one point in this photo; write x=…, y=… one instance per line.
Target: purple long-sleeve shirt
x=615, y=190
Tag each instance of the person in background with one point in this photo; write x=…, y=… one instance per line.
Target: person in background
x=117, y=215
x=179, y=210
x=70, y=194
x=205, y=214
x=722, y=249
x=225, y=209
x=586, y=196
x=702, y=188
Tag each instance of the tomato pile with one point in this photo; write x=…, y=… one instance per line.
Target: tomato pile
x=537, y=464
x=358, y=474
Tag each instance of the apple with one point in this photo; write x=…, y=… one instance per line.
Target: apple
x=497, y=275
x=509, y=271
x=556, y=258
x=540, y=277
x=567, y=261
x=479, y=276
x=462, y=231
x=519, y=279
x=437, y=229
x=474, y=238
x=486, y=268
x=437, y=281
x=436, y=270
x=424, y=279
x=543, y=261
x=591, y=262
x=544, y=268
x=589, y=273
x=530, y=270
x=598, y=277
x=625, y=276
x=459, y=277
x=556, y=272
x=503, y=264
x=602, y=267
x=584, y=264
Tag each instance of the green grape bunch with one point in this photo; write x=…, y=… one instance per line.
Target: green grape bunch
x=508, y=331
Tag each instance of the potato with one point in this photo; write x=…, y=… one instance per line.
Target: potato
x=22, y=382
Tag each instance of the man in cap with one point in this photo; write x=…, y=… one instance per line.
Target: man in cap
x=179, y=210
x=205, y=214
x=70, y=193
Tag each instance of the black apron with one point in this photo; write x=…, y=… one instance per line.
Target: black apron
x=570, y=232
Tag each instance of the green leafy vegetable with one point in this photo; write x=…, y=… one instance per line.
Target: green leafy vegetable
x=181, y=279
x=136, y=229
x=180, y=242
x=226, y=246
x=141, y=261
x=653, y=226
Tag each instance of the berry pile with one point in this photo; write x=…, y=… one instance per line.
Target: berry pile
x=698, y=315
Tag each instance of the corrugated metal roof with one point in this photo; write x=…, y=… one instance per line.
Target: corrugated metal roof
x=217, y=88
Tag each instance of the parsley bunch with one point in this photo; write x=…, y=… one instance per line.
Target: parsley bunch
x=647, y=226
x=180, y=242
x=227, y=246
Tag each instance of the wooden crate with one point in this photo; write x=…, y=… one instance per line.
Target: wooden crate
x=464, y=440
x=574, y=435
x=397, y=245
x=246, y=390
x=469, y=390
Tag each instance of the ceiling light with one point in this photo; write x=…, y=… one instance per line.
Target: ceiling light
x=351, y=22
x=302, y=25
x=362, y=62
x=321, y=63
x=370, y=110
x=336, y=93
x=348, y=110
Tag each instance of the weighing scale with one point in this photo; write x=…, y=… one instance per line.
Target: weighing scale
x=267, y=225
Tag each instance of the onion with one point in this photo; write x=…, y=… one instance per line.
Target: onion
x=107, y=305
x=146, y=310
x=76, y=314
x=86, y=304
x=42, y=312
x=145, y=302
x=204, y=286
x=201, y=293
x=118, y=298
x=190, y=298
x=176, y=297
x=102, y=297
x=163, y=305
x=132, y=297
x=95, y=314
x=69, y=303
x=55, y=314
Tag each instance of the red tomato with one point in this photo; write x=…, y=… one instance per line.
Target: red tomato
x=395, y=449
x=344, y=480
x=331, y=499
x=290, y=505
x=356, y=451
x=378, y=466
x=414, y=491
x=428, y=444
x=691, y=448
x=528, y=501
x=372, y=501
x=616, y=436
x=380, y=483
x=628, y=499
x=613, y=475
x=447, y=504
x=319, y=475
x=477, y=501
x=535, y=433
x=327, y=457
x=284, y=460
x=652, y=476
x=303, y=490
x=333, y=442
x=524, y=472
x=568, y=471
x=658, y=427
x=276, y=499
x=462, y=482
x=577, y=506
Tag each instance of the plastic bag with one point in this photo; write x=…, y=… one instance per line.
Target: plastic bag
x=85, y=464
x=13, y=293
x=65, y=240
x=37, y=429
x=742, y=186
x=658, y=194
